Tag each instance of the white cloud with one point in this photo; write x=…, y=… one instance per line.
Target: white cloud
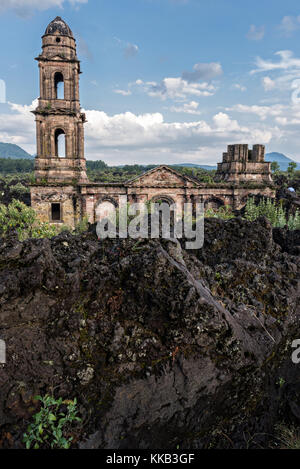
x=268, y=83
x=239, y=87
x=26, y=7
x=123, y=92
x=256, y=33
x=190, y=84
x=287, y=61
x=203, y=71
x=130, y=138
x=147, y=131
x=176, y=88
x=261, y=111
x=285, y=73
x=289, y=24
x=224, y=123
x=18, y=126
x=187, y=108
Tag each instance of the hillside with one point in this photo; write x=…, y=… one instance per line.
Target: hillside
x=9, y=150
x=281, y=159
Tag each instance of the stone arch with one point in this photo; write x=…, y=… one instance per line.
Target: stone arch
x=163, y=199
x=59, y=85
x=107, y=198
x=105, y=207
x=213, y=203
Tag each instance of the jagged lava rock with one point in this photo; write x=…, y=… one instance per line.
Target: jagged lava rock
x=161, y=346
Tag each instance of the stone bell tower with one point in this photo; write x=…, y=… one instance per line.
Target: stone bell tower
x=59, y=121
x=60, y=166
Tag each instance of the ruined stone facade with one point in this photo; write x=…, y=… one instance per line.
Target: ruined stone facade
x=241, y=164
x=62, y=193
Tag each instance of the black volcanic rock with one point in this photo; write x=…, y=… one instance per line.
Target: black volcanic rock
x=161, y=346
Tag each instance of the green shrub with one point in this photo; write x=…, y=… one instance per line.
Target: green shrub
x=17, y=216
x=44, y=230
x=52, y=425
x=294, y=221
x=19, y=188
x=273, y=211
x=82, y=226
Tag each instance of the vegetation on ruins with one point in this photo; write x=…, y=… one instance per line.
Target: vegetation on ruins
x=223, y=212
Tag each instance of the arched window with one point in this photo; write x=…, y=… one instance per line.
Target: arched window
x=162, y=199
x=59, y=87
x=60, y=143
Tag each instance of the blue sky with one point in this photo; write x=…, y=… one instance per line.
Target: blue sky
x=164, y=81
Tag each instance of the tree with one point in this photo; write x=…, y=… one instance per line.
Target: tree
x=22, y=219
x=275, y=167
x=291, y=169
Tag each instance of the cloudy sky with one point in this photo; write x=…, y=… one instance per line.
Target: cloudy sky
x=164, y=81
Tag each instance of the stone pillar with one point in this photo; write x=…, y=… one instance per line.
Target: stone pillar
x=258, y=153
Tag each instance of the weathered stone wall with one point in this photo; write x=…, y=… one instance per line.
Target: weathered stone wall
x=151, y=187
x=43, y=196
x=241, y=164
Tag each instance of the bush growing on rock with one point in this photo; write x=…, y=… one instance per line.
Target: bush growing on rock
x=17, y=216
x=52, y=425
x=273, y=211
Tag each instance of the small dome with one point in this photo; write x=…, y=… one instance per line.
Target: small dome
x=59, y=25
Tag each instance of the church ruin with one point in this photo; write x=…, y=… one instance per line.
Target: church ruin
x=62, y=193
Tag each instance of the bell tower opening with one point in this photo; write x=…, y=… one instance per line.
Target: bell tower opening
x=59, y=86
x=60, y=143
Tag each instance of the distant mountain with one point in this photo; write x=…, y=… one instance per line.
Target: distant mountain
x=281, y=159
x=9, y=150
